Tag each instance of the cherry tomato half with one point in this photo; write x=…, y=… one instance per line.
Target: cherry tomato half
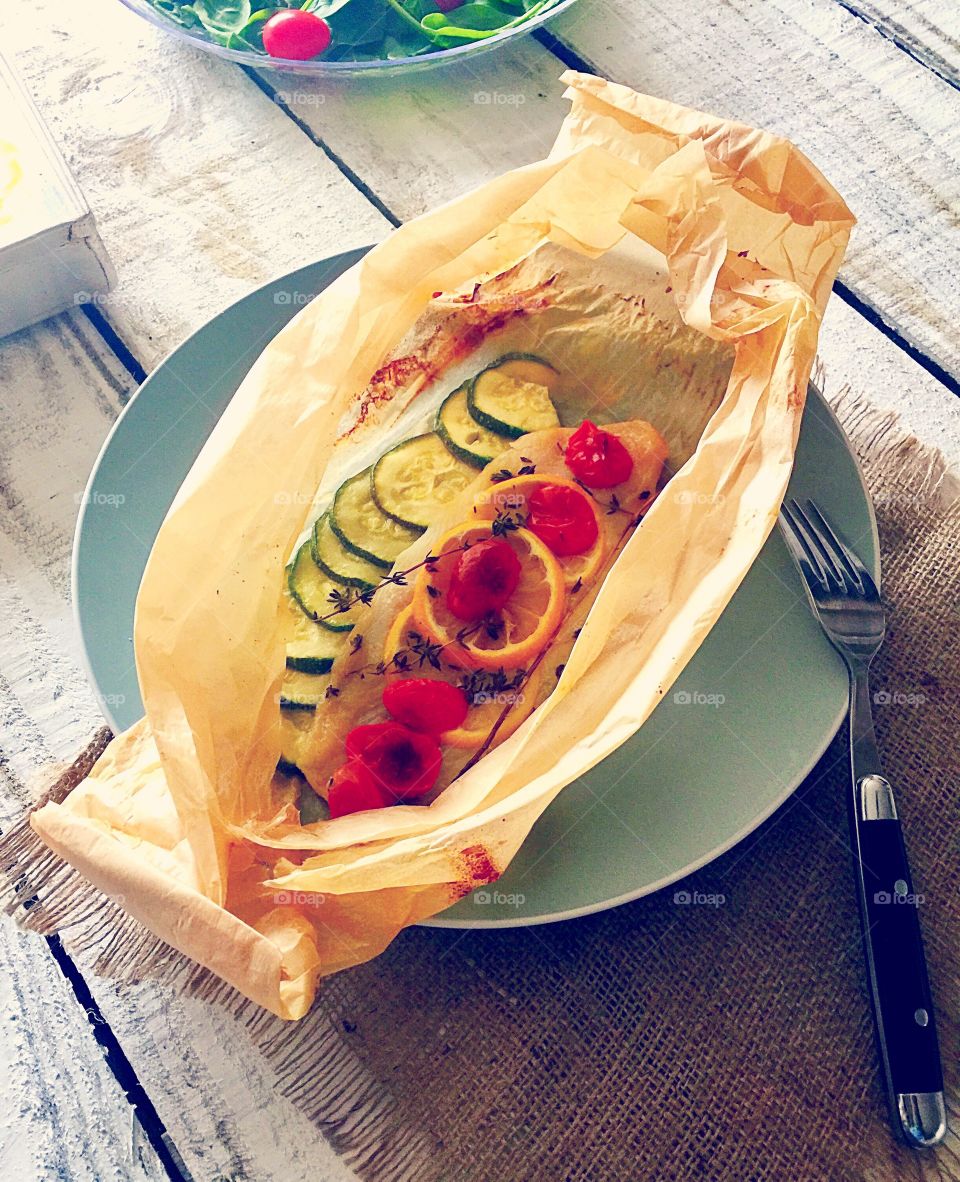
x=404, y=763
x=483, y=579
x=295, y=35
x=597, y=457
x=353, y=789
x=426, y=704
x=563, y=518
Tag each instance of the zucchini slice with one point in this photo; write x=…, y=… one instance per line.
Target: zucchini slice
x=364, y=529
x=415, y=478
x=335, y=560
x=311, y=648
x=294, y=729
x=513, y=396
x=463, y=435
x=313, y=591
x=302, y=691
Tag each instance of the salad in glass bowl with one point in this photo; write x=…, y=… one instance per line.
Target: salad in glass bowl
x=335, y=36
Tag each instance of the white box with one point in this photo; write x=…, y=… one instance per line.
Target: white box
x=51, y=256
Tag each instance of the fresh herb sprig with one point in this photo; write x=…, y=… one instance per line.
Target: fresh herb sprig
x=343, y=601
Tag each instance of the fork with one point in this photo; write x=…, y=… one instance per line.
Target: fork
x=847, y=603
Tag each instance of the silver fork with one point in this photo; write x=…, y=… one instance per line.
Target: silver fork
x=847, y=603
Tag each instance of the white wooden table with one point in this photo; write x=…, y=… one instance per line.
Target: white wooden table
x=206, y=181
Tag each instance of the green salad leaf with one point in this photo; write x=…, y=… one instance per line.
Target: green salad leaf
x=361, y=30
x=323, y=8
x=222, y=18
x=476, y=21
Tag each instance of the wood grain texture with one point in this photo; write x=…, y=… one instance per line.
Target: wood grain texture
x=928, y=29
x=417, y=147
x=882, y=128
x=213, y=1091
x=62, y=1114
x=854, y=355
x=201, y=187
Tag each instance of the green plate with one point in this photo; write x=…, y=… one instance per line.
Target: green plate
x=745, y=723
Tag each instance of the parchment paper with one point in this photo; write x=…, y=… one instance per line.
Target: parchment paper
x=653, y=238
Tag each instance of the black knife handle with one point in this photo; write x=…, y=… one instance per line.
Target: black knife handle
x=900, y=989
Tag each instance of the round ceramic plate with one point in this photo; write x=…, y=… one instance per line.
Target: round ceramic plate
x=744, y=724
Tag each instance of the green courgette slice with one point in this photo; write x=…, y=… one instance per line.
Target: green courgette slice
x=335, y=560
x=314, y=591
x=513, y=396
x=416, y=478
x=311, y=647
x=302, y=691
x=363, y=528
x=464, y=436
x=295, y=727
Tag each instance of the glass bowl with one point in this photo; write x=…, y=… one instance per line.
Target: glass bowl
x=319, y=68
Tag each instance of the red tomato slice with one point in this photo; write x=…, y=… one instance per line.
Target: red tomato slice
x=597, y=457
x=426, y=704
x=563, y=518
x=353, y=789
x=483, y=579
x=404, y=763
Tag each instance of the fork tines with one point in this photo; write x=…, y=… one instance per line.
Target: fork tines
x=823, y=559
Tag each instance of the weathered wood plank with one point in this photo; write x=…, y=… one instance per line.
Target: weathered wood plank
x=884, y=130
x=202, y=188
x=382, y=139
x=416, y=147
x=929, y=29
x=62, y=389
x=854, y=354
x=62, y=1113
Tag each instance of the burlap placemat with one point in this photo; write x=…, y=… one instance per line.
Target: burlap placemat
x=654, y=1041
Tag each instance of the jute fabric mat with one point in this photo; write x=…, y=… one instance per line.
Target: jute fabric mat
x=660, y=1040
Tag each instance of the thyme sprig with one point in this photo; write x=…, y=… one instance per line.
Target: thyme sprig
x=612, y=506
x=505, y=521
x=343, y=601
x=421, y=651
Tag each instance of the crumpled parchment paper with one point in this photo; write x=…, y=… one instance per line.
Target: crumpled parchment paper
x=675, y=267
